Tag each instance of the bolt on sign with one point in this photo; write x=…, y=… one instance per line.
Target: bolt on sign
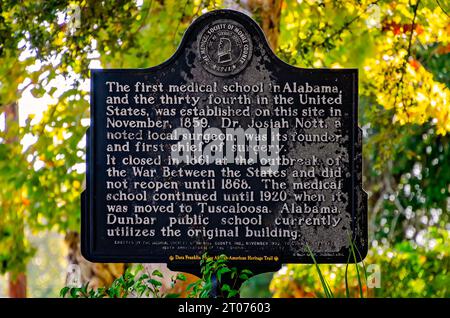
x=224, y=149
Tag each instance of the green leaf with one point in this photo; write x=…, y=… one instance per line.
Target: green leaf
x=243, y=276
x=64, y=291
x=325, y=286
x=191, y=285
x=74, y=293
x=361, y=294
x=222, y=271
x=155, y=282
x=226, y=287
x=347, y=291
x=157, y=273
x=232, y=293
x=247, y=271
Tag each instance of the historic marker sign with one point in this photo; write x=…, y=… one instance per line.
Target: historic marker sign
x=224, y=148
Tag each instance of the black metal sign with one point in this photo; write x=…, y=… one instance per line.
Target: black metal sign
x=224, y=148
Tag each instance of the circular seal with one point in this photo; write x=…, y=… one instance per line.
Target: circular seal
x=224, y=47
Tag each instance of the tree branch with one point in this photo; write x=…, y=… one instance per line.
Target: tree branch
x=346, y=24
x=405, y=61
x=440, y=6
x=179, y=21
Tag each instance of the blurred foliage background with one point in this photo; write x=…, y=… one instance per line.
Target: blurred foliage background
x=400, y=47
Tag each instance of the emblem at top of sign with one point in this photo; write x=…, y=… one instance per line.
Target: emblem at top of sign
x=224, y=47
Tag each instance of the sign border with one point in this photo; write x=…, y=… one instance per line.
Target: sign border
x=359, y=197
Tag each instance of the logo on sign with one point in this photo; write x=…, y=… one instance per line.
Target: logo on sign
x=224, y=48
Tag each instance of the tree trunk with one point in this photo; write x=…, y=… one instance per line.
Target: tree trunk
x=266, y=12
x=97, y=274
x=17, y=285
x=11, y=118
